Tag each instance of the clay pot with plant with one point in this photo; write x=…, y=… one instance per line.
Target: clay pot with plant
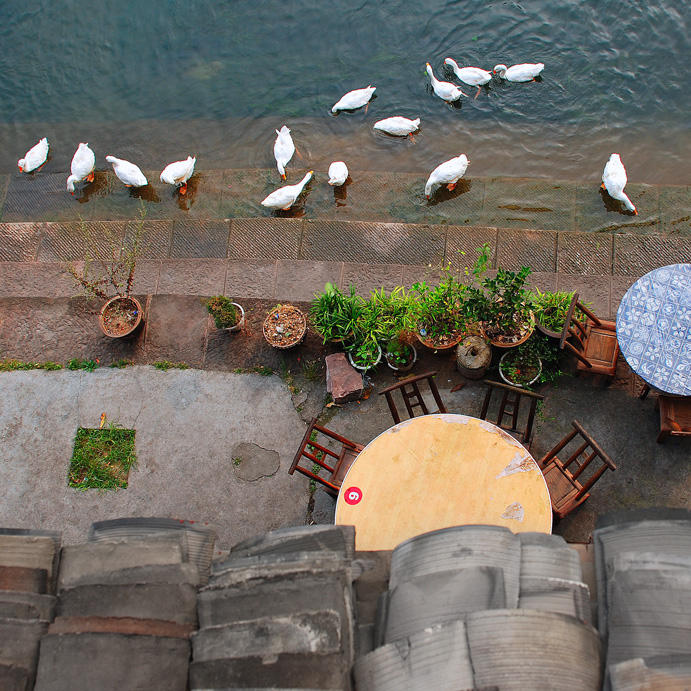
x=107, y=272
x=285, y=326
x=226, y=314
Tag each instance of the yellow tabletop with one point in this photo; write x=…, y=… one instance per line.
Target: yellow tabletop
x=438, y=471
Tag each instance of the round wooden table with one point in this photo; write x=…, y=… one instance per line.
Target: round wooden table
x=438, y=471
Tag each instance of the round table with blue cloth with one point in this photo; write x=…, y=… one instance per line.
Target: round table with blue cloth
x=654, y=328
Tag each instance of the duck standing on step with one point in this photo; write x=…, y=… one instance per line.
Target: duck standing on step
x=614, y=180
x=283, y=150
x=35, y=157
x=284, y=197
x=82, y=167
x=179, y=173
x=338, y=173
x=448, y=173
x=128, y=173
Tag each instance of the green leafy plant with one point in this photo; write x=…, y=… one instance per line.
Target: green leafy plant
x=335, y=314
x=440, y=311
x=102, y=458
x=78, y=363
x=398, y=353
x=224, y=312
x=520, y=363
x=119, y=364
x=550, y=309
x=502, y=303
x=366, y=354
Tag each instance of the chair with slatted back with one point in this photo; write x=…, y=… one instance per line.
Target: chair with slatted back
x=316, y=450
x=510, y=405
x=570, y=481
x=593, y=342
x=412, y=396
x=675, y=416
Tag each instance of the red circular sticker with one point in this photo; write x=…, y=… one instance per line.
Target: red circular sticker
x=352, y=495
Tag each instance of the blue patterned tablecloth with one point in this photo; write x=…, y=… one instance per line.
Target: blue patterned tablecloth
x=654, y=328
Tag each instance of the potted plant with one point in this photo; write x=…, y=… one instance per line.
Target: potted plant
x=284, y=326
x=334, y=314
x=440, y=313
x=365, y=355
x=521, y=368
x=550, y=310
x=108, y=274
x=227, y=314
x=502, y=304
x=400, y=356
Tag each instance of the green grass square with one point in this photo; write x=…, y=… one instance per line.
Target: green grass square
x=102, y=458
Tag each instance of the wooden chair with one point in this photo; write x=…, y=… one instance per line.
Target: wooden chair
x=316, y=451
x=510, y=405
x=568, y=486
x=412, y=396
x=593, y=342
x=675, y=417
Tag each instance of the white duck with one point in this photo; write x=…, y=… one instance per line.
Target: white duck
x=614, y=180
x=445, y=90
x=354, y=99
x=397, y=126
x=35, y=157
x=179, y=173
x=127, y=172
x=338, y=173
x=283, y=150
x=82, y=168
x=525, y=72
x=448, y=173
x=284, y=197
x=473, y=76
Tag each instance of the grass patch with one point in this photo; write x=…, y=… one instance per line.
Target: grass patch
x=165, y=365
x=12, y=365
x=102, y=458
x=286, y=375
x=311, y=370
x=87, y=365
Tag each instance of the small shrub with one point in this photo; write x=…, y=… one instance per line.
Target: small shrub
x=224, y=312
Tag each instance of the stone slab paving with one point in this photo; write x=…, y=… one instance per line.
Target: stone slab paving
x=187, y=424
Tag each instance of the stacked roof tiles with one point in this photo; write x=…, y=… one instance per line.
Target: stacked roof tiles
x=28, y=567
x=142, y=606
x=126, y=607
x=478, y=606
x=643, y=563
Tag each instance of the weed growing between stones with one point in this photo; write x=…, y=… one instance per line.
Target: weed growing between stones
x=12, y=365
x=165, y=365
x=78, y=363
x=120, y=364
x=102, y=458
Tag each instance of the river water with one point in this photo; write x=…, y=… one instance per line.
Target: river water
x=156, y=81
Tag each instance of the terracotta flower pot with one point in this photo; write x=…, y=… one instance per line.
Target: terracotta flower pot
x=120, y=317
x=512, y=344
x=285, y=326
x=455, y=340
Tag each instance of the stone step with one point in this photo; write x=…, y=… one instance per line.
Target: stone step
x=200, y=537
x=54, y=535
x=14, y=678
x=171, y=574
x=27, y=551
x=155, y=663
x=557, y=595
x=377, y=196
x=176, y=603
x=133, y=626
x=26, y=605
x=91, y=559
